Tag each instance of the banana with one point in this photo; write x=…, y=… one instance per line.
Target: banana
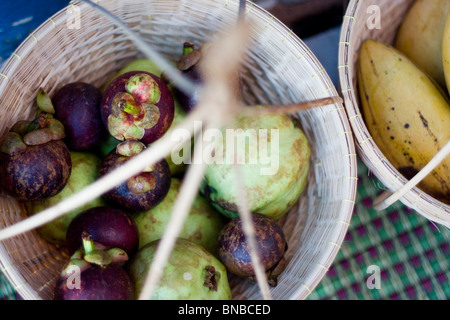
x=406, y=114
x=446, y=51
x=420, y=36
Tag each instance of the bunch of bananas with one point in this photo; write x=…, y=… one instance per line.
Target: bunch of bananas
x=404, y=91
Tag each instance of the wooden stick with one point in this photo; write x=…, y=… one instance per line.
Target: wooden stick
x=249, y=231
x=294, y=107
x=387, y=198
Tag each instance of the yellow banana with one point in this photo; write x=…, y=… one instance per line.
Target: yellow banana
x=446, y=51
x=420, y=36
x=406, y=114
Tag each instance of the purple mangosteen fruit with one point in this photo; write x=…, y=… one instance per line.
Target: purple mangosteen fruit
x=141, y=192
x=95, y=273
x=137, y=105
x=77, y=106
x=35, y=163
x=111, y=227
x=234, y=251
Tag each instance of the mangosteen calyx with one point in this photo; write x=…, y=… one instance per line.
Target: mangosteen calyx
x=130, y=148
x=135, y=110
x=31, y=133
x=93, y=254
x=144, y=181
x=12, y=144
x=190, y=57
x=211, y=278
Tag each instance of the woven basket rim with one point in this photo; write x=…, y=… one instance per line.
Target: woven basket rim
x=370, y=153
x=340, y=229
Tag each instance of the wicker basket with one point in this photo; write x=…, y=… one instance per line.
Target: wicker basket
x=354, y=31
x=279, y=69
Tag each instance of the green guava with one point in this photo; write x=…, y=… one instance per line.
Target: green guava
x=191, y=273
x=85, y=168
x=274, y=158
x=202, y=226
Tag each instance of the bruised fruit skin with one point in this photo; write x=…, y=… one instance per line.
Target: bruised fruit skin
x=137, y=105
x=39, y=172
x=85, y=168
x=77, y=106
x=191, y=273
x=202, y=225
x=234, y=250
x=111, y=227
x=95, y=273
x=141, y=192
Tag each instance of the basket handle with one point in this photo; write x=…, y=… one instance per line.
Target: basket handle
x=387, y=198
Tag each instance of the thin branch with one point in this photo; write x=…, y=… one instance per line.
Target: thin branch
x=249, y=232
x=388, y=198
x=181, y=208
x=294, y=107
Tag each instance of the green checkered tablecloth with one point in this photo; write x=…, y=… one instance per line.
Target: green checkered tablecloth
x=411, y=253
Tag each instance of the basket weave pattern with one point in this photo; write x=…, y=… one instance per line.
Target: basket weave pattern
x=278, y=69
x=355, y=30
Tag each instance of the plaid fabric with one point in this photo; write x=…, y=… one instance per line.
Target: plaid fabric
x=411, y=253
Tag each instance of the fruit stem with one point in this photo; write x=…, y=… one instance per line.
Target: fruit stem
x=187, y=48
x=131, y=108
x=88, y=243
x=44, y=102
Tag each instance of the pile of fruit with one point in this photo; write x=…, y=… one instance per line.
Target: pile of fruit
x=404, y=91
x=83, y=133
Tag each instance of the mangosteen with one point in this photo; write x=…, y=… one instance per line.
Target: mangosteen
x=77, y=106
x=35, y=163
x=111, y=227
x=137, y=105
x=189, y=67
x=95, y=273
x=142, y=191
x=191, y=273
x=234, y=251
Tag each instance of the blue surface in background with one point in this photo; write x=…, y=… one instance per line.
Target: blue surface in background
x=20, y=18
